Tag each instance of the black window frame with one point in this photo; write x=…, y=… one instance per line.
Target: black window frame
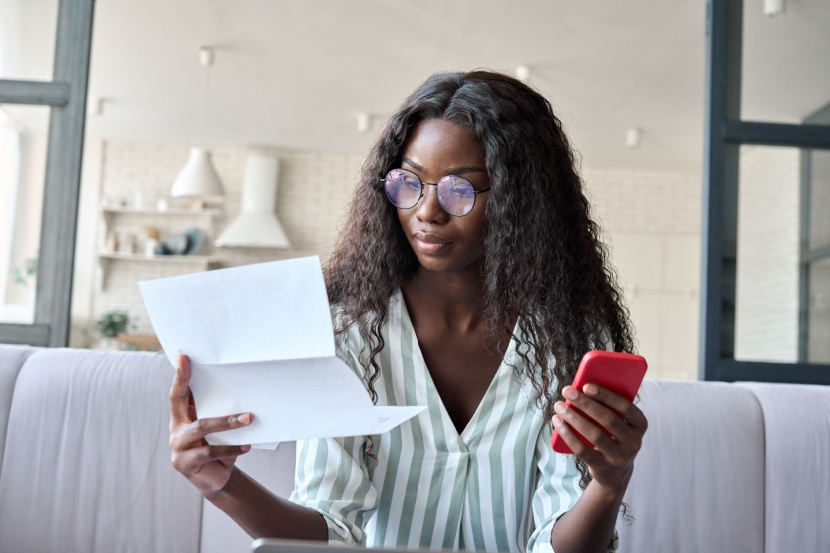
x=725, y=132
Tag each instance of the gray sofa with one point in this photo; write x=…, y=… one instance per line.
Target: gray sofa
x=84, y=464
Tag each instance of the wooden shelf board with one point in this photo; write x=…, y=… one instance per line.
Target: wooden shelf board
x=203, y=259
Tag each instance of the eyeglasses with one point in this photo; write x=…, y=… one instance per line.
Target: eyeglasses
x=455, y=194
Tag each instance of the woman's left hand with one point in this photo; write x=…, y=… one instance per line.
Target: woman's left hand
x=611, y=460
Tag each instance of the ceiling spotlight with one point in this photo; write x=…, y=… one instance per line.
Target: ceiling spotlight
x=523, y=73
x=632, y=137
x=206, y=56
x=364, y=122
x=773, y=7
x=96, y=106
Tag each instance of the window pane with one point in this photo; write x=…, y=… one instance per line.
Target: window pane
x=818, y=333
x=785, y=77
x=780, y=288
x=819, y=202
x=27, y=39
x=23, y=139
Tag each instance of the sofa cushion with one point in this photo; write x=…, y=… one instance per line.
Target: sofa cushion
x=797, y=424
x=698, y=481
x=87, y=465
x=11, y=359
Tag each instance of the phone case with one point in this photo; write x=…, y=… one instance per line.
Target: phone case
x=619, y=372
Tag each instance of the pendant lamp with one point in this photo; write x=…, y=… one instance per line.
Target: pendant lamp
x=198, y=178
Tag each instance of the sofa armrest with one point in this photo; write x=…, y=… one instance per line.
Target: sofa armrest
x=87, y=465
x=797, y=457
x=11, y=360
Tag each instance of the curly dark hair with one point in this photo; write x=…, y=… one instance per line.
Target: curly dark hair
x=543, y=258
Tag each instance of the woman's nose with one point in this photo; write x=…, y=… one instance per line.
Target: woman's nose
x=429, y=209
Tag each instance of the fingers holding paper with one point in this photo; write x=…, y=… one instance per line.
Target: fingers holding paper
x=207, y=467
x=182, y=406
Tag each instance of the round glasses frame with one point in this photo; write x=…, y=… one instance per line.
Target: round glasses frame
x=448, y=180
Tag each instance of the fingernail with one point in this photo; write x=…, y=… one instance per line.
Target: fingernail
x=557, y=422
x=559, y=407
x=590, y=389
x=569, y=392
x=245, y=448
x=244, y=418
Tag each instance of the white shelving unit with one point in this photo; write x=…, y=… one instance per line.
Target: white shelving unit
x=209, y=215
x=198, y=259
x=207, y=218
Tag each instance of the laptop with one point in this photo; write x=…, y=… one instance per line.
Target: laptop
x=270, y=545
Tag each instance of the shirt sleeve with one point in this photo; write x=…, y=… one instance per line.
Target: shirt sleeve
x=332, y=476
x=557, y=490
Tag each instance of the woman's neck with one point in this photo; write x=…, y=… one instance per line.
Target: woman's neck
x=455, y=300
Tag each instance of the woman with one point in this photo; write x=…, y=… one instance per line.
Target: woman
x=469, y=278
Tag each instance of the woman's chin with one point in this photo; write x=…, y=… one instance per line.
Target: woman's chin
x=448, y=264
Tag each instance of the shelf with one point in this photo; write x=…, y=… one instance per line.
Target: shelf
x=142, y=342
x=169, y=211
x=105, y=259
x=201, y=259
x=210, y=214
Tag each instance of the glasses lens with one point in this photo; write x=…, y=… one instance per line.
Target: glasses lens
x=403, y=188
x=456, y=195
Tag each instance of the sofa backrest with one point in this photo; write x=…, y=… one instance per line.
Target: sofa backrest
x=86, y=466
x=698, y=481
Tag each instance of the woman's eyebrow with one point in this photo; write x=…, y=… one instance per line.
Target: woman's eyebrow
x=453, y=171
x=412, y=164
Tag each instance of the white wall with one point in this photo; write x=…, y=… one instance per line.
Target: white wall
x=86, y=254
x=651, y=222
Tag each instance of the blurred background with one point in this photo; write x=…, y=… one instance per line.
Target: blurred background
x=283, y=100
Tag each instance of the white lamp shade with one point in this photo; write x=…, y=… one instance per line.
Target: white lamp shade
x=198, y=178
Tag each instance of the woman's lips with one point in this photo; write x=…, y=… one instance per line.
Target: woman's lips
x=430, y=244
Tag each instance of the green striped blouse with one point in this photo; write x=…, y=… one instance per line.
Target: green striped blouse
x=497, y=486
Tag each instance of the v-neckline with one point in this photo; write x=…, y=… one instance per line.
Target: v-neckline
x=469, y=429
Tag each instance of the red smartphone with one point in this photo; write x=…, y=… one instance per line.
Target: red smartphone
x=619, y=372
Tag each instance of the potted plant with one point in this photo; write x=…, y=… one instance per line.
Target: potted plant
x=29, y=271
x=110, y=324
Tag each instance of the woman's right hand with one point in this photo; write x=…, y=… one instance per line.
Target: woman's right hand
x=208, y=467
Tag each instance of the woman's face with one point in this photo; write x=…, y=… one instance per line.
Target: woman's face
x=444, y=242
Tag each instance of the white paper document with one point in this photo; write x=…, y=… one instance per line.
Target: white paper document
x=260, y=340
